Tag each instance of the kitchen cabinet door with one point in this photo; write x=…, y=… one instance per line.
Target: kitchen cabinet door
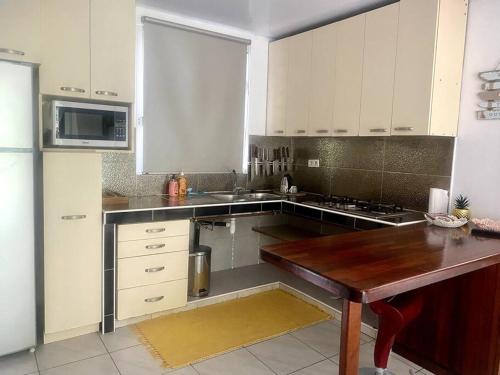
x=348, y=76
x=112, y=43
x=72, y=240
x=299, y=84
x=20, y=30
x=65, y=69
x=276, y=87
x=378, y=71
x=322, y=80
x=414, y=67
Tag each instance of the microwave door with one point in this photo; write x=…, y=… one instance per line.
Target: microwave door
x=85, y=127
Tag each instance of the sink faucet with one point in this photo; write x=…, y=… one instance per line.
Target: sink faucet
x=236, y=189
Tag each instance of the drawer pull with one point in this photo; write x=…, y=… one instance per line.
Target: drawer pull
x=155, y=230
x=154, y=299
x=404, y=128
x=106, y=93
x=321, y=131
x=154, y=269
x=72, y=89
x=340, y=130
x=73, y=217
x=11, y=51
x=300, y=131
x=378, y=130
x=156, y=246
x=278, y=131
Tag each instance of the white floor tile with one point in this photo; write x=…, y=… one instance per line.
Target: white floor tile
x=67, y=351
x=18, y=364
x=325, y=367
x=137, y=360
x=285, y=354
x=101, y=365
x=323, y=337
x=366, y=360
x=239, y=362
x=122, y=338
x=183, y=371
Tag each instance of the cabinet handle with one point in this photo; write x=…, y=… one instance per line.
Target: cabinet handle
x=72, y=89
x=322, y=131
x=154, y=269
x=11, y=51
x=73, y=217
x=155, y=230
x=107, y=93
x=279, y=131
x=378, y=130
x=154, y=299
x=340, y=130
x=404, y=128
x=300, y=131
x=157, y=246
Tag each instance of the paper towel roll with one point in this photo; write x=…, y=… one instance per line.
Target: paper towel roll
x=438, y=201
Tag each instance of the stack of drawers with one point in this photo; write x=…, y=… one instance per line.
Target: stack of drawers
x=152, y=267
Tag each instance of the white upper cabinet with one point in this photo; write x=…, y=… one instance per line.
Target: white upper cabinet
x=20, y=30
x=299, y=84
x=348, y=75
x=429, y=67
x=88, y=49
x=324, y=43
x=112, y=40
x=65, y=69
x=276, y=87
x=378, y=71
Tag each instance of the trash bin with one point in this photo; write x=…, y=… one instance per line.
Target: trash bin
x=199, y=271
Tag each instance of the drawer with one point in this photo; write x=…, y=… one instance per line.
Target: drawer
x=135, y=248
x=142, y=231
x=152, y=269
x=150, y=299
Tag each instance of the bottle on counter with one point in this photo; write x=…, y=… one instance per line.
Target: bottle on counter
x=183, y=185
x=173, y=187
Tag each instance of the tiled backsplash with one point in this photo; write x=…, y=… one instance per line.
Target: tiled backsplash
x=390, y=169
x=393, y=169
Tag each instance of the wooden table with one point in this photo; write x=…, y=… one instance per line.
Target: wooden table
x=368, y=266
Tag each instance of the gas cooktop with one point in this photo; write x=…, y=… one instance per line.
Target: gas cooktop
x=376, y=210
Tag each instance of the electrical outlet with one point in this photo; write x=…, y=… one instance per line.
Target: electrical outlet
x=313, y=163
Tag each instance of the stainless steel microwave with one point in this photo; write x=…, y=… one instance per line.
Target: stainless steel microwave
x=89, y=125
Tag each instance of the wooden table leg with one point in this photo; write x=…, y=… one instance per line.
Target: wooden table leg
x=349, y=338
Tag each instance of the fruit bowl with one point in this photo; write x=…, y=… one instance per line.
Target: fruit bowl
x=446, y=221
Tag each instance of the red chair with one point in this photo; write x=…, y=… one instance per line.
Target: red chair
x=394, y=314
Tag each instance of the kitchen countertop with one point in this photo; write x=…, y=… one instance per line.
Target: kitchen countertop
x=163, y=202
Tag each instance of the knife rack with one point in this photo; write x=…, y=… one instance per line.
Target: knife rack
x=266, y=162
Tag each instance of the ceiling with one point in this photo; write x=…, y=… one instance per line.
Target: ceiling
x=269, y=18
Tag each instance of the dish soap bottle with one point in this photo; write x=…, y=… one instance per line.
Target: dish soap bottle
x=183, y=184
x=173, y=187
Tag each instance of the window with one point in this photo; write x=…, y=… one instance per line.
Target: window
x=194, y=100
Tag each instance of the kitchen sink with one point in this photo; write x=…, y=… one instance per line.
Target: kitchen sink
x=245, y=197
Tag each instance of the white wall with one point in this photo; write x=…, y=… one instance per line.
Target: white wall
x=257, y=64
x=477, y=157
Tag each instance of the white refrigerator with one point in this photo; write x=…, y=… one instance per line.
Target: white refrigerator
x=17, y=212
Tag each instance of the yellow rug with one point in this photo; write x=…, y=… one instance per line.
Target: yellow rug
x=190, y=336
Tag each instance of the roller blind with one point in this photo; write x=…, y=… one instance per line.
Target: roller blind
x=193, y=100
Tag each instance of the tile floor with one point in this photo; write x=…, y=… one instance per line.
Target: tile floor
x=309, y=351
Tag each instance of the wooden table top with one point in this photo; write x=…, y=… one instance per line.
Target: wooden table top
x=371, y=265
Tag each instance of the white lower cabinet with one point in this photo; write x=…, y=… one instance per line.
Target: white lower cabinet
x=152, y=267
x=72, y=241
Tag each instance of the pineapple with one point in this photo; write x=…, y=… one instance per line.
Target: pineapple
x=462, y=207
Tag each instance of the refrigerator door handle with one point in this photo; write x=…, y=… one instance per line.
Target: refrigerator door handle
x=73, y=217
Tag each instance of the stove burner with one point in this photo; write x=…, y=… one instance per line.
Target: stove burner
x=370, y=208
